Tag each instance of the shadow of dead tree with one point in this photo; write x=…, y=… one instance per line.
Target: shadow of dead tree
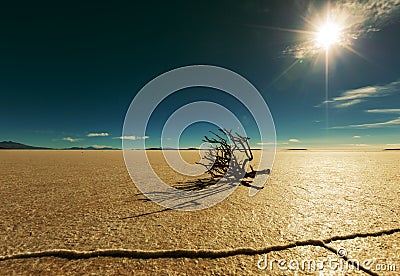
x=226, y=162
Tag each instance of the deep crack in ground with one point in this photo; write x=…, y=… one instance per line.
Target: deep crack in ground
x=192, y=253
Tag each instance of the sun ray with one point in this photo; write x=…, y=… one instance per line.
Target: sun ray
x=326, y=88
x=309, y=22
x=350, y=49
x=316, y=60
x=282, y=29
x=284, y=72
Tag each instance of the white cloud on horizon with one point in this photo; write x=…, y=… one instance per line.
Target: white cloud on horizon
x=393, y=122
x=102, y=134
x=279, y=143
x=356, y=137
x=358, y=145
x=393, y=145
x=266, y=143
x=100, y=146
x=132, y=137
x=70, y=139
x=356, y=96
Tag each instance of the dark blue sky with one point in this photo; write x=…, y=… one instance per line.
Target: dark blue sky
x=68, y=70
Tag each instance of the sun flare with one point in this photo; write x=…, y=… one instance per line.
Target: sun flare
x=328, y=35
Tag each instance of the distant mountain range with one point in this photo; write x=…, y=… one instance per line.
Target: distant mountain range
x=90, y=148
x=15, y=145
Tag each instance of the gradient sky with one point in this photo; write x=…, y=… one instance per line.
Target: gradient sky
x=69, y=72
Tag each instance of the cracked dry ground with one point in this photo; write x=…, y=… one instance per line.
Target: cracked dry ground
x=314, y=204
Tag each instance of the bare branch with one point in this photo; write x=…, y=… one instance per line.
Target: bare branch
x=224, y=158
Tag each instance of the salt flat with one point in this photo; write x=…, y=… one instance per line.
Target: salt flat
x=85, y=201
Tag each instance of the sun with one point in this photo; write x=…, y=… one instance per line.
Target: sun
x=328, y=35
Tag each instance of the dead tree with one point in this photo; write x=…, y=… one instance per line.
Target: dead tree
x=228, y=158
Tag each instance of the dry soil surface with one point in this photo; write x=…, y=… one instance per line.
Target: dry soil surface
x=78, y=212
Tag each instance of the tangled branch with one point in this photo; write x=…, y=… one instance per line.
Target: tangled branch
x=229, y=158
